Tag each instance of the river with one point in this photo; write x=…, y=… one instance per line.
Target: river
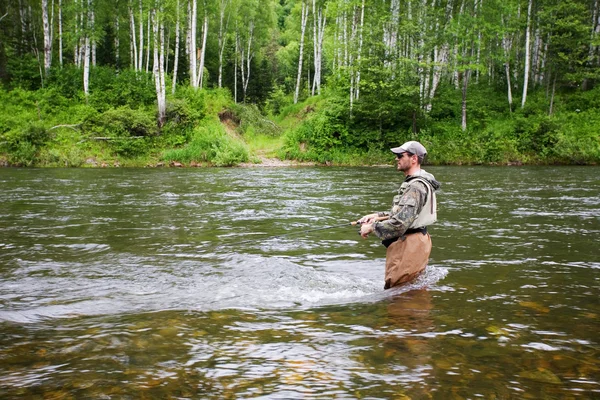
x=230, y=283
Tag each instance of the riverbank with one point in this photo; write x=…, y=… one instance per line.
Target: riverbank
x=206, y=128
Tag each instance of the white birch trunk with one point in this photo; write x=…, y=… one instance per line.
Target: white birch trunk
x=141, y=43
x=176, y=56
x=93, y=40
x=86, y=62
x=319, y=21
x=47, y=38
x=466, y=75
x=148, y=47
x=304, y=19
x=200, y=74
x=235, y=64
x=249, y=56
x=222, y=36
x=158, y=67
x=133, y=42
x=527, y=57
x=193, y=49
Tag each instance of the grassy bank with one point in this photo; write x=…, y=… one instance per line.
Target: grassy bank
x=322, y=130
x=56, y=127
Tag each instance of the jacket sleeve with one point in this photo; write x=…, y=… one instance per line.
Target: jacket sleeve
x=405, y=210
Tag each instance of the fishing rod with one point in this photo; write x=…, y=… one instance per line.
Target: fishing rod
x=352, y=223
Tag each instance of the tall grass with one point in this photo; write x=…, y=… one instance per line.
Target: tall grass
x=210, y=144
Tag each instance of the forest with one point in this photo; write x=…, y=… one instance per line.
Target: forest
x=337, y=82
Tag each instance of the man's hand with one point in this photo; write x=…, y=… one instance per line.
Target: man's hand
x=365, y=229
x=368, y=219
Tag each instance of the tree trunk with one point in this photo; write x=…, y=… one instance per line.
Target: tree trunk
x=235, y=64
x=319, y=21
x=304, y=19
x=117, y=42
x=200, y=75
x=192, y=35
x=60, y=34
x=506, y=45
x=47, y=38
x=249, y=56
x=133, y=43
x=176, y=56
x=551, y=109
x=527, y=57
x=158, y=68
x=466, y=75
x=148, y=46
x=222, y=36
x=141, y=46
x=92, y=27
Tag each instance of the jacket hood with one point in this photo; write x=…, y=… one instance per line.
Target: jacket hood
x=427, y=176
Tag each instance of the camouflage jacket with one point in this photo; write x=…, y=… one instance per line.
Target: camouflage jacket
x=406, y=206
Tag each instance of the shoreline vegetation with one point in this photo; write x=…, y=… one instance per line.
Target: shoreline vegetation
x=206, y=128
x=296, y=82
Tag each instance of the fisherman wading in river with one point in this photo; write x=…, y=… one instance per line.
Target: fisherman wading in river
x=404, y=233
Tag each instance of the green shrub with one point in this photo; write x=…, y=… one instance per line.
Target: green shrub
x=127, y=130
x=249, y=116
x=109, y=89
x=23, y=145
x=212, y=145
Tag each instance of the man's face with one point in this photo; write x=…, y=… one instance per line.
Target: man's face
x=404, y=161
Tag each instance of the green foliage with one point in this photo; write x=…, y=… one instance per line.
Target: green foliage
x=277, y=101
x=127, y=131
x=249, y=116
x=210, y=144
x=67, y=81
x=25, y=72
x=23, y=145
x=125, y=88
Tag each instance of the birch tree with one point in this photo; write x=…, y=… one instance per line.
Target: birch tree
x=158, y=69
x=304, y=19
x=191, y=39
x=319, y=21
x=133, y=38
x=177, y=42
x=224, y=15
x=527, y=55
x=47, y=38
x=87, y=50
x=202, y=55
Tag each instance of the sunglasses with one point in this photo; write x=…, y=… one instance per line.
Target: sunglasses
x=399, y=156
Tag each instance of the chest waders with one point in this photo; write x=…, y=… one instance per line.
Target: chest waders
x=407, y=256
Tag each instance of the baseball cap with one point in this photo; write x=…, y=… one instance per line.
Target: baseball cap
x=412, y=147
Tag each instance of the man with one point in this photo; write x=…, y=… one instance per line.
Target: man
x=404, y=233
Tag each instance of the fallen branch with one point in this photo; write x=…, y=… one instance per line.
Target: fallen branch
x=66, y=126
x=115, y=138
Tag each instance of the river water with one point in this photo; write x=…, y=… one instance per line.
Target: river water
x=220, y=283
